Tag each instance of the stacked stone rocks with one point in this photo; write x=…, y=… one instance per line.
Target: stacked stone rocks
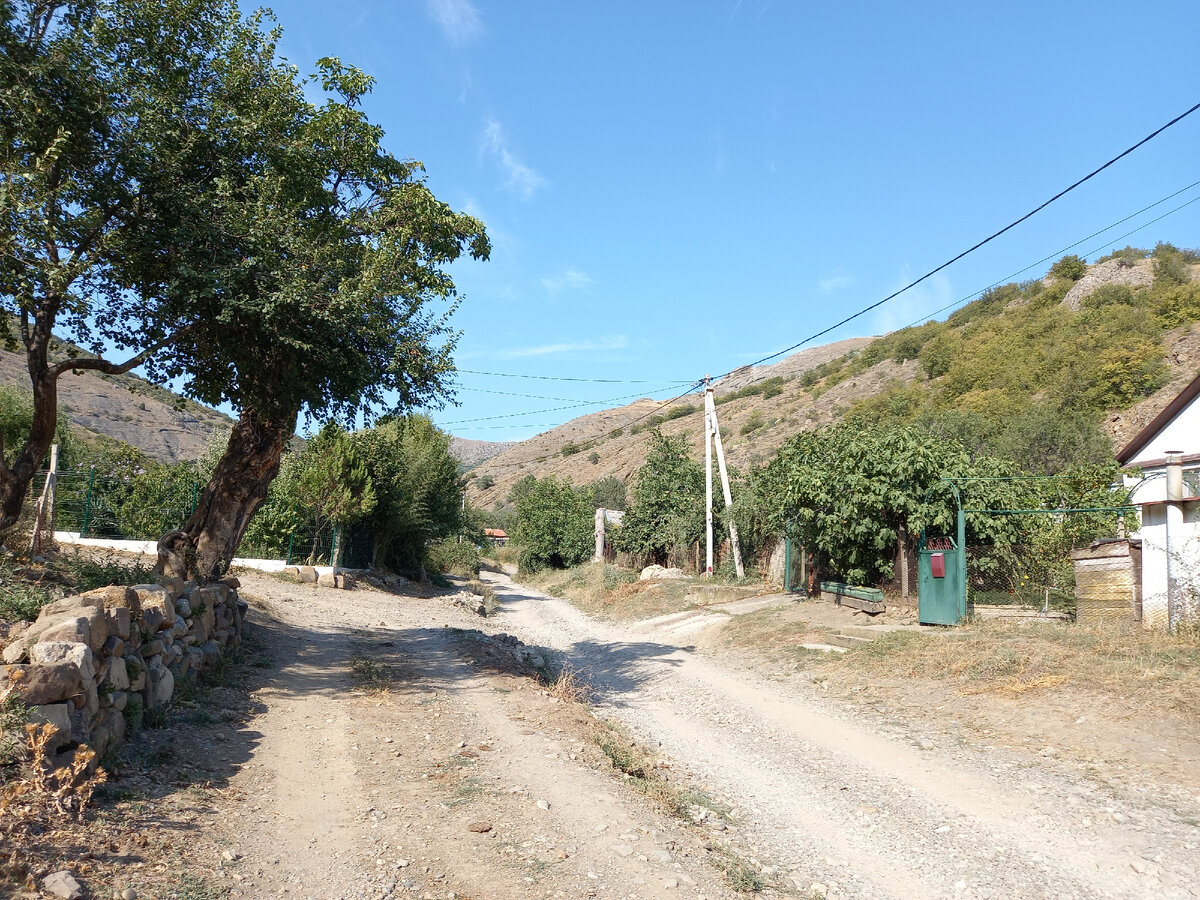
x=93, y=664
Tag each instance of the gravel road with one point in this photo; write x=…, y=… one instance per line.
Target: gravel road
x=846, y=806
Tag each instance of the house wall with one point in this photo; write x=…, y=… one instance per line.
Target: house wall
x=1181, y=433
x=1184, y=555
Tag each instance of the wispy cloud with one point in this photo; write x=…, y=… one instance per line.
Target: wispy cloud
x=519, y=178
x=616, y=342
x=459, y=19
x=567, y=280
x=835, y=281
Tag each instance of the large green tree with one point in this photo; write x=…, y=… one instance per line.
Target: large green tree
x=849, y=492
x=554, y=524
x=212, y=222
x=104, y=107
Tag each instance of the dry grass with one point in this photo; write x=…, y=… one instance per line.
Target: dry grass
x=568, y=686
x=370, y=675
x=614, y=593
x=777, y=630
x=1161, y=670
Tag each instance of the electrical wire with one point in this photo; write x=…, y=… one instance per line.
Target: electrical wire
x=538, y=412
x=1060, y=253
x=973, y=247
x=559, y=377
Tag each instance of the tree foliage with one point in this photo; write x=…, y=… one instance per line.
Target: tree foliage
x=554, y=524
x=847, y=491
x=666, y=510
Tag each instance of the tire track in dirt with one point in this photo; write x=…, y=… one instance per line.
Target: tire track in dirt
x=819, y=788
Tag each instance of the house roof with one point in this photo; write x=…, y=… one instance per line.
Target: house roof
x=495, y=532
x=1159, y=422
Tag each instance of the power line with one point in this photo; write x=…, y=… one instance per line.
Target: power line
x=1107, y=243
x=538, y=412
x=973, y=247
x=559, y=377
x=544, y=397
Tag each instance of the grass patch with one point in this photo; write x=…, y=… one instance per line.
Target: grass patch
x=370, y=674
x=89, y=571
x=1163, y=670
x=19, y=600
x=614, y=593
x=642, y=772
x=739, y=874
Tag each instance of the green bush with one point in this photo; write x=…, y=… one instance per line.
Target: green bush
x=1127, y=253
x=666, y=515
x=452, y=557
x=485, y=481
x=1109, y=295
x=554, y=524
x=570, y=448
x=1070, y=267
x=19, y=601
x=753, y=422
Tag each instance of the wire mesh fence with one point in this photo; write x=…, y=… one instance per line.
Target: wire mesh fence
x=1069, y=566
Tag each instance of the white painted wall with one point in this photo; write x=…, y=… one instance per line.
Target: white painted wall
x=151, y=548
x=1182, y=433
x=1185, y=557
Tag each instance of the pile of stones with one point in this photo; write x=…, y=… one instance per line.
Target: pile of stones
x=309, y=575
x=94, y=664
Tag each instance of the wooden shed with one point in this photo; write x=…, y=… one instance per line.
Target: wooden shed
x=1108, y=582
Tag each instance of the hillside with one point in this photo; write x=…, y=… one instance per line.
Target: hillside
x=471, y=453
x=1110, y=345
x=161, y=424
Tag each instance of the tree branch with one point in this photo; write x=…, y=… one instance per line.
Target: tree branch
x=96, y=364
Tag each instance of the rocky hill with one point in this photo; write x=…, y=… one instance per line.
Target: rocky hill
x=161, y=424
x=758, y=409
x=1067, y=340
x=471, y=453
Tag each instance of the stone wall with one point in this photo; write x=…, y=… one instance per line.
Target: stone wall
x=93, y=664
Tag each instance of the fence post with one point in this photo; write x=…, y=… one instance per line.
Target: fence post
x=87, y=502
x=961, y=532
x=335, y=550
x=291, y=540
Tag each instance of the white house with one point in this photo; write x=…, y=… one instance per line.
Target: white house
x=1167, y=451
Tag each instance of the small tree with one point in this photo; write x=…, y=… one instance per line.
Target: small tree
x=1070, y=267
x=666, y=515
x=554, y=524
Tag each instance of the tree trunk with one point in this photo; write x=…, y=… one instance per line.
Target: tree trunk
x=235, y=492
x=16, y=478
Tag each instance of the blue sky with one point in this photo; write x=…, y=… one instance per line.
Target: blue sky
x=678, y=188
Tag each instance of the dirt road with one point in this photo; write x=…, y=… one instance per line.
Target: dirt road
x=842, y=803
x=397, y=753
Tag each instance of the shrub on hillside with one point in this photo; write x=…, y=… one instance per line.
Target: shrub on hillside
x=1070, y=267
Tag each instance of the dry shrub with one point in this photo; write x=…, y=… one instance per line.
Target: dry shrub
x=568, y=686
x=45, y=791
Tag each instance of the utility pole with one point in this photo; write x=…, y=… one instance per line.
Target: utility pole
x=708, y=534
x=710, y=416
